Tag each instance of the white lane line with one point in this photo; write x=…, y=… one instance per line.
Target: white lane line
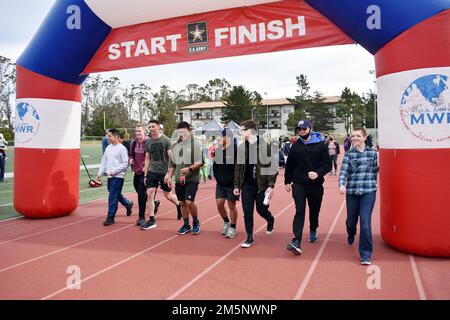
x=64, y=249
x=217, y=262
x=77, y=222
x=416, y=274
x=48, y=230
x=6, y=205
x=119, y=263
x=313, y=266
x=83, y=242
x=13, y=218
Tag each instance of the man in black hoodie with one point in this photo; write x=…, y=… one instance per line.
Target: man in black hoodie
x=308, y=162
x=224, y=161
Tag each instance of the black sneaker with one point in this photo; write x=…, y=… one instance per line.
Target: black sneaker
x=150, y=224
x=179, y=215
x=184, y=229
x=248, y=243
x=108, y=222
x=350, y=240
x=313, y=237
x=270, y=225
x=140, y=222
x=130, y=208
x=294, y=247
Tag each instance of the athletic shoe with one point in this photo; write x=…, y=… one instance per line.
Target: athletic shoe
x=196, y=228
x=350, y=240
x=225, y=228
x=365, y=262
x=248, y=243
x=129, y=208
x=294, y=247
x=150, y=224
x=313, y=236
x=179, y=215
x=232, y=232
x=108, y=222
x=184, y=229
x=270, y=225
x=140, y=222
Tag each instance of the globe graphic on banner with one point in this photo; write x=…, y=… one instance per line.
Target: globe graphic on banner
x=27, y=122
x=425, y=108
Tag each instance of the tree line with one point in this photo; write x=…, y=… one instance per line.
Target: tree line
x=107, y=104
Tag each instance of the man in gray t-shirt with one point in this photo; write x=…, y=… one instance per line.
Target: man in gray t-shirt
x=158, y=151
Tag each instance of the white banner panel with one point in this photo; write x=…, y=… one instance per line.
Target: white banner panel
x=414, y=109
x=120, y=13
x=47, y=124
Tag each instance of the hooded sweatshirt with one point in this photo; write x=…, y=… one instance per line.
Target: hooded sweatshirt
x=307, y=156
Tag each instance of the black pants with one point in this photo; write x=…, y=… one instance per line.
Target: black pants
x=314, y=195
x=334, y=162
x=250, y=196
x=141, y=190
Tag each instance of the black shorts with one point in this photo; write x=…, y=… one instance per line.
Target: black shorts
x=225, y=193
x=186, y=192
x=157, y=179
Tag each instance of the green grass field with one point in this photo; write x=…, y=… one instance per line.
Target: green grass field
x=91, y=152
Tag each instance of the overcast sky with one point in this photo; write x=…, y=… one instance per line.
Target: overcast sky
x=329, y=69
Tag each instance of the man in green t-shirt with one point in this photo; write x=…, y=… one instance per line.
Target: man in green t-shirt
x=185, y=163
x=158, y=150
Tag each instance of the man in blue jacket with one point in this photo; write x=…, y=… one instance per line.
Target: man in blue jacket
x=307, y=164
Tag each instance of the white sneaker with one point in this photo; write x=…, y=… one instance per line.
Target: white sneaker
x=248, y=243
x=225, y=228
x=232, y=232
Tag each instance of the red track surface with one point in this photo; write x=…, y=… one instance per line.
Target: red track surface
x=123, y=262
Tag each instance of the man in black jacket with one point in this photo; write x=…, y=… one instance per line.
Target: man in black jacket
x=224, y=161
x=255, y=175
x=308, y=162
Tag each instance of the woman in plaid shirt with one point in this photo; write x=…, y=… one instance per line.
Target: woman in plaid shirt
x=358, y=179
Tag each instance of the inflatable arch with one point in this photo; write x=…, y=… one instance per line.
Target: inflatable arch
x=409, y=39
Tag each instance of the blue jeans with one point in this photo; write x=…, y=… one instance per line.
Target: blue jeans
x=362, y=206
x=2, y=167
x=115, y=186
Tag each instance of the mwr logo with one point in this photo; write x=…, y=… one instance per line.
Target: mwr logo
x=197, y=35
x=425, y=108
x=27, y=122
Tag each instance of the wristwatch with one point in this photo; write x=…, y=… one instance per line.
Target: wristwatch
x=190, y=169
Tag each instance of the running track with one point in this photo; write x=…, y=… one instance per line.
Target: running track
x=123, y=262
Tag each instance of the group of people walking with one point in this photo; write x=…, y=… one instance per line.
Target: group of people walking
x=246, y=172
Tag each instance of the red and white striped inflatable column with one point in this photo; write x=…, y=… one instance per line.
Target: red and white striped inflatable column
x=47, y=146
x=413, y=74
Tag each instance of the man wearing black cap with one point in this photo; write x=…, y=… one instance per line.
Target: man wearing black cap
x=224, y=161
x=308, y=162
